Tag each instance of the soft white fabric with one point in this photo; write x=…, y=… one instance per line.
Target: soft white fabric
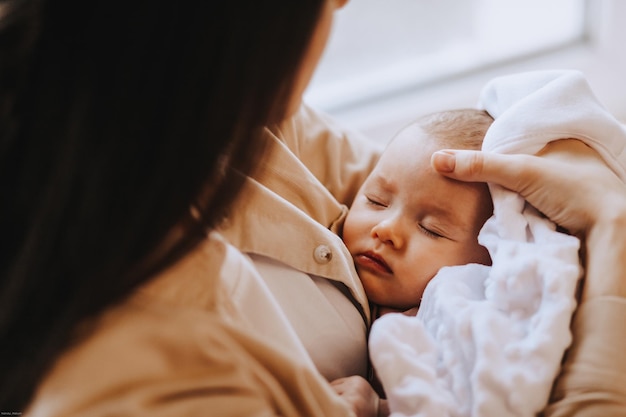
x=488, y=341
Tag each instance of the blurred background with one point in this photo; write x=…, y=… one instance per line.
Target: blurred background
x=389, y=61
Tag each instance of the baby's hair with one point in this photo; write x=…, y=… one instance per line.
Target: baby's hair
x=457, y=129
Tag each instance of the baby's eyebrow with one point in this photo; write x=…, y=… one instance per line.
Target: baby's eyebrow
x=382, y=182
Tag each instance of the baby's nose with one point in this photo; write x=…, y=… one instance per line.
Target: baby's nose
x=390, y=231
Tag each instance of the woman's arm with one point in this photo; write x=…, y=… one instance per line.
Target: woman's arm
x=606, y=256
x=592, y=381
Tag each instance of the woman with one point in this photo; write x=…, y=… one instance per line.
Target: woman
x=127, y=133
x=117, y=123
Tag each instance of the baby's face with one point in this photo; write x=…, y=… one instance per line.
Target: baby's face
x=407, y=222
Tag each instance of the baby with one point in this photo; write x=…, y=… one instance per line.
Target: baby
x=407, y=221
x=489, y=339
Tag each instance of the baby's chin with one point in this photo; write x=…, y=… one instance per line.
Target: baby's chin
x=382, y=310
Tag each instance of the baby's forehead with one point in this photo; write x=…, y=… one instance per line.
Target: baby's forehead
x=409, y=152
x=423, y=191
x=413, y=131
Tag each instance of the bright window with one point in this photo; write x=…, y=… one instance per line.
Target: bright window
x=382, y=47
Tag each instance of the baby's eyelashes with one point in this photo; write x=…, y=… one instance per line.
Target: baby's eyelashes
x=430, y=233
x=375, y=201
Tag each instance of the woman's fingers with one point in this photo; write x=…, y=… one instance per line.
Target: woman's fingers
x=567, y=180
x=476, y=166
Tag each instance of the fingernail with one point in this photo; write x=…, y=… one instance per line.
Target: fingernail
x=443, y=161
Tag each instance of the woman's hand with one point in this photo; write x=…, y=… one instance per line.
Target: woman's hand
x=361, y=396
x=567, y=181
x=570, y=183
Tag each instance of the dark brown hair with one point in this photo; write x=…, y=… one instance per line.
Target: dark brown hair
x=115, y=118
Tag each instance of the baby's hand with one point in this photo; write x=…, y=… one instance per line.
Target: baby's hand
x=360, y=396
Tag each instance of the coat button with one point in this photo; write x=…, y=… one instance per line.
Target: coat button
x=322, y=254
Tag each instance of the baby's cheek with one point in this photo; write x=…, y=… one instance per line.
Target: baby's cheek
x=479, y=255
